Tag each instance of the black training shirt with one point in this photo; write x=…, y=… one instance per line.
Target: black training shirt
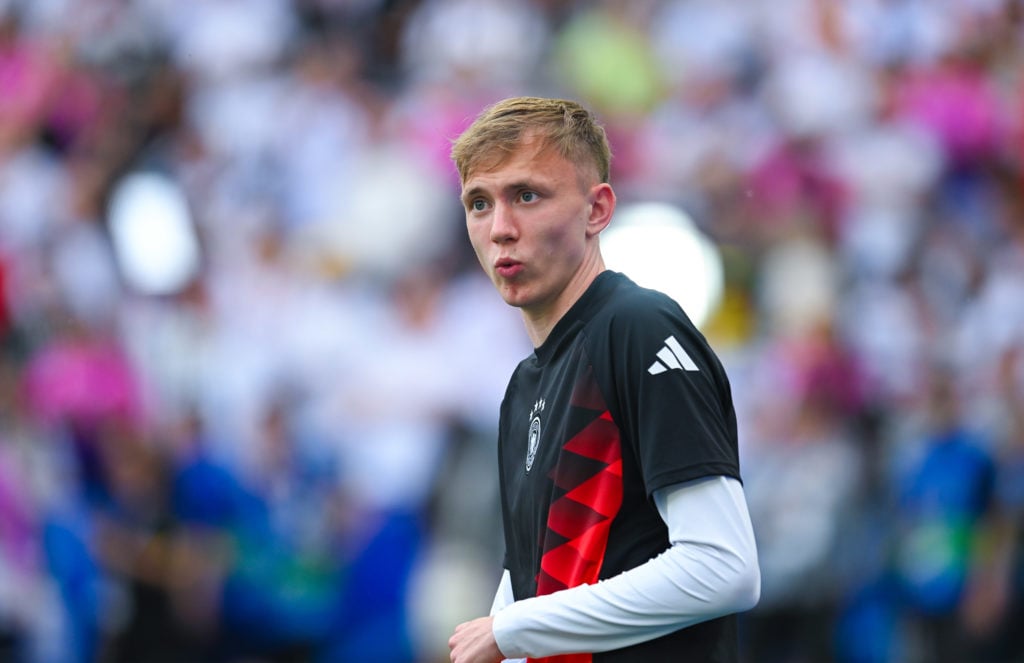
x=623, y=398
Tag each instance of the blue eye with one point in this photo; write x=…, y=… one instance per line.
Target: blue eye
x=528, y=196
x=478, y=205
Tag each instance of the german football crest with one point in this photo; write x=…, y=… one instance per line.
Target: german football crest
x=533, y=440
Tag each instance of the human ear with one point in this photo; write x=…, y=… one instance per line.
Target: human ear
x=602, y=206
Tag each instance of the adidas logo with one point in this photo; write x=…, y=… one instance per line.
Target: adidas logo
x=672, y=356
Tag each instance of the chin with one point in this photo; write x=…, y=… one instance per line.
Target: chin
x=512, y=300
x=511, y=296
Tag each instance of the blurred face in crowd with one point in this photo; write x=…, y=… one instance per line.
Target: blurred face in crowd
x=533, y=219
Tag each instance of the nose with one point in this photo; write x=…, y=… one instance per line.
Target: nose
x=503, y=225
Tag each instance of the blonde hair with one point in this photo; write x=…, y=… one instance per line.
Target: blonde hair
x=559, y=123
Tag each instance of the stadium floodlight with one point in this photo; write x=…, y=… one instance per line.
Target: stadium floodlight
x=659, y=246
x=152, y=232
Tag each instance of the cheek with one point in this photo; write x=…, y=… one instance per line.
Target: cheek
x=478, y=237
x=474, y=230
x=563, y=239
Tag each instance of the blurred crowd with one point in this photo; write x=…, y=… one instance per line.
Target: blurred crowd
x=288, y=454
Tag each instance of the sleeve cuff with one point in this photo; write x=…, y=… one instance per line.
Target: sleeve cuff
x=502, y=626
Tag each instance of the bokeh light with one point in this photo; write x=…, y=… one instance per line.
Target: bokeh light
x=659, y=246
x=153, y=237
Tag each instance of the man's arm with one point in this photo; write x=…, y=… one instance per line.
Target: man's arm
x=709, y=570
x=473, y=642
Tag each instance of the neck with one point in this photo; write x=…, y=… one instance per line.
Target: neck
x=541, y=320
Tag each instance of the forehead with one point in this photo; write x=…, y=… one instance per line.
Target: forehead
x=530, y=160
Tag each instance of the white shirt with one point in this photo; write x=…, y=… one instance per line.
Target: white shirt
x=709, y=570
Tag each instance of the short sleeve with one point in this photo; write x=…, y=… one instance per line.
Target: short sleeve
x=668, y=392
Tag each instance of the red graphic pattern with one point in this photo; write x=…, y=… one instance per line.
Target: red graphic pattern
x=590, y=471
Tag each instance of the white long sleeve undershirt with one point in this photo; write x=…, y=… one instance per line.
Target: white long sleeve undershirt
x=709, y=570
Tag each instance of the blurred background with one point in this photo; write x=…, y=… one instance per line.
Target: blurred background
x=250, y=371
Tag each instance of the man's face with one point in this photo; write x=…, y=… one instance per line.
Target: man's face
x=527, y=220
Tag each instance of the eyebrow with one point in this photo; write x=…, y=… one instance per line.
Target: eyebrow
x=469, y=194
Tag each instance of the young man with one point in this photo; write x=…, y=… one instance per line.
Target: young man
x=626, y=528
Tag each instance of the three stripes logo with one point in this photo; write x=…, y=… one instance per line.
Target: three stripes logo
x=672, y=356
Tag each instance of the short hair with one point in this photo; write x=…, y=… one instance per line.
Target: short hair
x=560, y=123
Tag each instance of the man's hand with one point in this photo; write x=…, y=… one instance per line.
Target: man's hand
x=473, y=642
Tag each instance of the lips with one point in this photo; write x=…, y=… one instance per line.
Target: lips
x=507, y=268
